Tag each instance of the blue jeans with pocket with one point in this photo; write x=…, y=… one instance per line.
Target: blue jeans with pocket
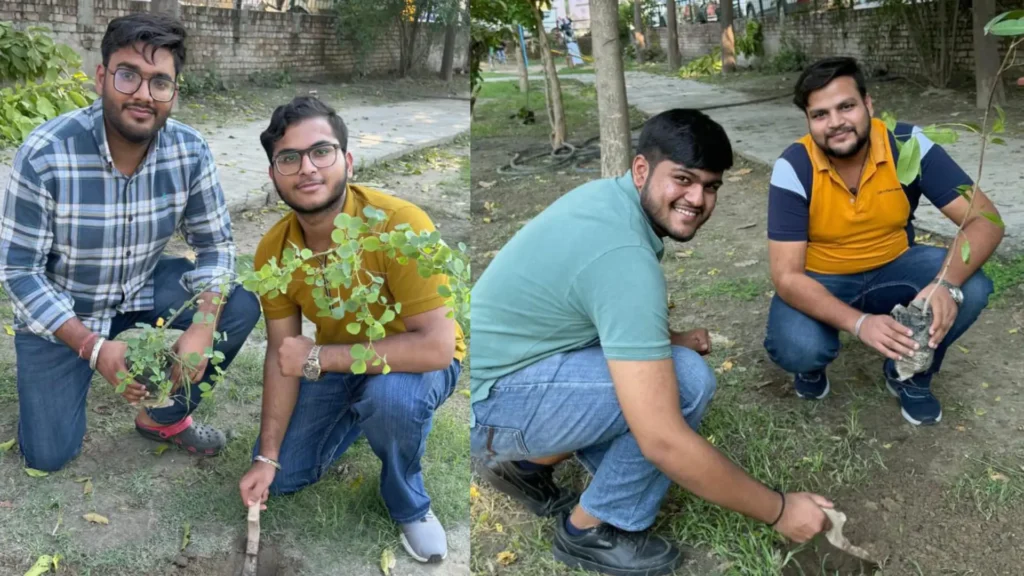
x=800, y=344
x=395, y=411
x=567, y=404
x=53, y=381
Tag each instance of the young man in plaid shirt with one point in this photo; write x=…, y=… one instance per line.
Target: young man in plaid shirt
x=94, y=197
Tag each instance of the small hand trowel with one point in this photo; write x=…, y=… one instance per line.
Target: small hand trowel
x=835, y=538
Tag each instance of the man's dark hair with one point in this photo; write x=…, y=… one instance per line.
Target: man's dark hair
x=687, y=137
x=824, y=71
x=299, y=109
x=154, y=30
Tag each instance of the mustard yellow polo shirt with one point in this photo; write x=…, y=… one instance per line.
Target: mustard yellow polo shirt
x=402, y=283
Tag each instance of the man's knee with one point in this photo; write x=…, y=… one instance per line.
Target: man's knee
x=49, y=458
x=697, y=382
x=242, y=311
x=977, y=291
x=800, y=347
x=394, y=403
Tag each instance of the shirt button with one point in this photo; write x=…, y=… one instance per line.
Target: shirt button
x=852, y=201
x=128, y=253
x=131, y=218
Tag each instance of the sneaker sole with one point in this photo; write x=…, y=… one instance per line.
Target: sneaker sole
x=907, y=416
x=543, y=510
x=574, y=562
x=828, y=387
x=434, y=558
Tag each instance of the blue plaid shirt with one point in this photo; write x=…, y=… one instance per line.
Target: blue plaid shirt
x=78, y=238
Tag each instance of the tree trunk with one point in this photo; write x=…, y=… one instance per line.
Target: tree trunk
x=639, y=41
x=524, y=76
x=674, y=61
x=986, y=56
x=556, y=113
x=728, y=38
x=612, y=107
x=448, y=56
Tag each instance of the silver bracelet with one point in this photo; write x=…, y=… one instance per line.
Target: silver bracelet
x=265, y=460
x=96, y=353
x=856, y=328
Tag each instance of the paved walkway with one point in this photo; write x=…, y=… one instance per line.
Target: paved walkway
x=762, y=131
x=376, y=133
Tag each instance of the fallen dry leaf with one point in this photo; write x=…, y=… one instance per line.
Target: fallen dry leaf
x=36, y=473
x=684, y=254
x=486, y=220
x=499, y=528
x=87, y=489
x=474, y=492
x=9, y=330
x=486, y=185
x=727, y=365
x=1012, y=330
x=161, y=449
x=713, y=272
x=7, y=445
x=505, y=557
x=743, y=171
x=998, y=477
x=961, y=428
x=984, y=384
x=96, y=518
x=979, y=411
x=387, y=561
x=734, y=178
x=745, y=263
x=962, y=349
x=465, y=393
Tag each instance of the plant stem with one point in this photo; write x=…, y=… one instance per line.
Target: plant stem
x=1010, y=54
x=188, y=303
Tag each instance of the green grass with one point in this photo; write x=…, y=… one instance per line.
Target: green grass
x=500, y=100
x=780, y=446
x=744, y=289
x=989, y=486
x=1006, y=274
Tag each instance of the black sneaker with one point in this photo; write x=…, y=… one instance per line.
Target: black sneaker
x=535, y=489
x=608, y=550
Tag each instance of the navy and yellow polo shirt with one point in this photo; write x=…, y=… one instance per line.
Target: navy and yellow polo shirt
x=846, y=233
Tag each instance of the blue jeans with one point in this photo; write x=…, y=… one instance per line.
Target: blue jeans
x=802, y=345
x=53, y=381
x=567, y=404
x=395, y=412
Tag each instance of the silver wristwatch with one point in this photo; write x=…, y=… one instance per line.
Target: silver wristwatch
x=954, y=291
x=311, y=369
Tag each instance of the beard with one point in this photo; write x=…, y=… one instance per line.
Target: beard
x=135, y=134
x=662, y=226
x=332, y=202
x=863, y=135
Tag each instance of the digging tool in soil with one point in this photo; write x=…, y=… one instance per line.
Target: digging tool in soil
x=919, y=319
x=252, y=544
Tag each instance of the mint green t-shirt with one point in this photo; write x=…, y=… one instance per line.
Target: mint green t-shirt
x=585, y=271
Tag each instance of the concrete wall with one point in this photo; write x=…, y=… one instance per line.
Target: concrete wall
x=234, y=43
x=863, y=34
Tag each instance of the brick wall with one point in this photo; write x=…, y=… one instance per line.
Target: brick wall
x=856, y=33
x=234, y=43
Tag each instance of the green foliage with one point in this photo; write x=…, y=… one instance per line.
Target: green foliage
x=45, y=81
x=151, y=362
x=342, y=266
x=363, y=26
x=200, y=82
x=271, y=78
x=495, y=21
x=790, y=57
x=704, y=66
x=751, y=43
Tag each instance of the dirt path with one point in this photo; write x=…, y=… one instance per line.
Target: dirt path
x=337, y=527
x=939, y=500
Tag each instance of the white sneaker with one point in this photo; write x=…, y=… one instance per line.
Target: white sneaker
x=425, y=539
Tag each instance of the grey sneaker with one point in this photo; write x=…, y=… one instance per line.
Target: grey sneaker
x=425, y=539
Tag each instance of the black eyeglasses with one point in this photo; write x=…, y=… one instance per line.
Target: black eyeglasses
x=128, y=81
x=322, y=156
